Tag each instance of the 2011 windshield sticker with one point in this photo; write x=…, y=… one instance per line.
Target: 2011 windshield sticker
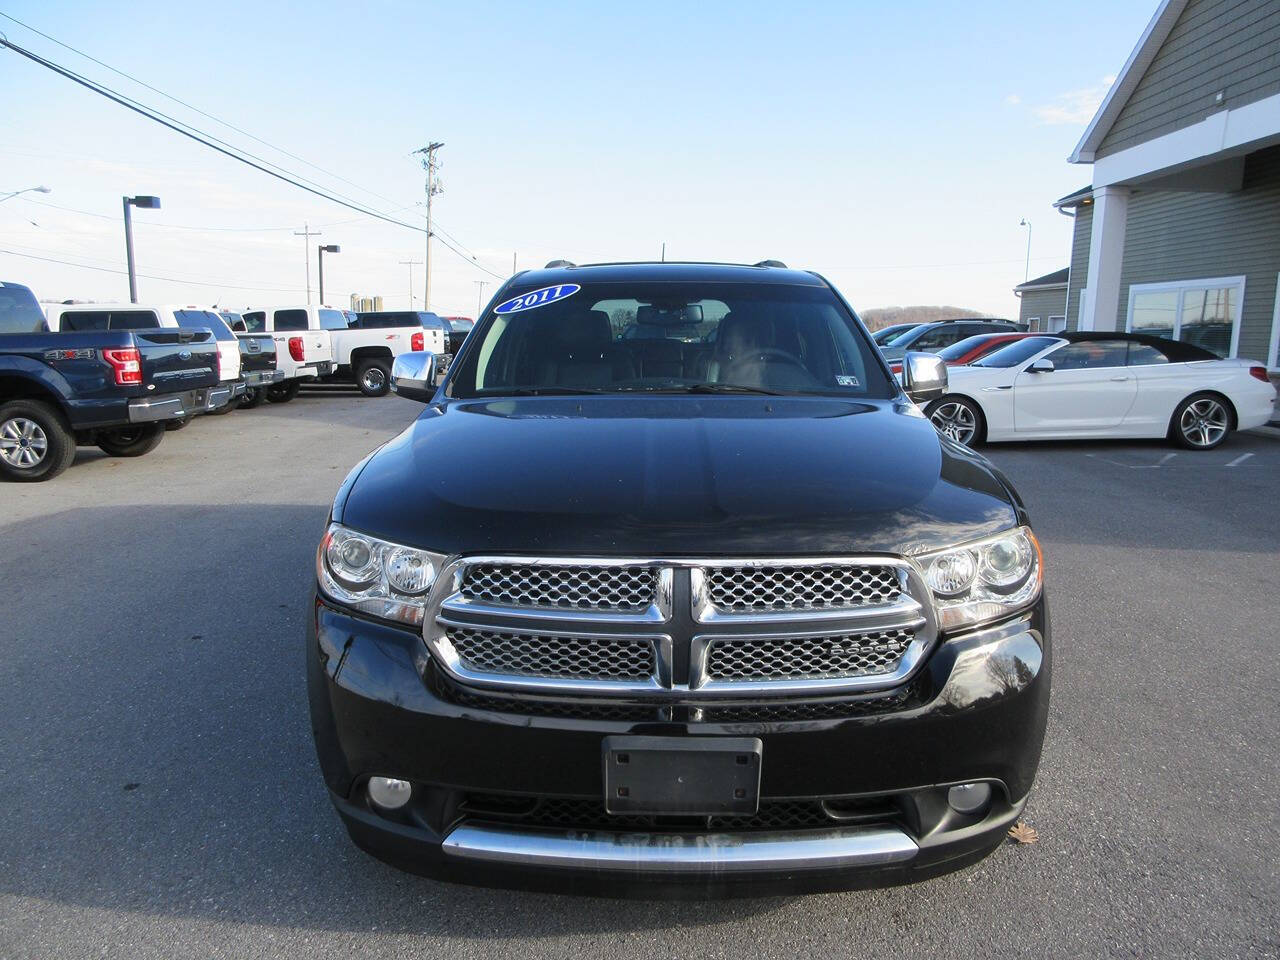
x=537, y=298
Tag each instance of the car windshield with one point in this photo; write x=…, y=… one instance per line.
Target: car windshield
x=961, y=347
x=670, y=337
x=204, y=320
x=889, y=333
x=1016, y=352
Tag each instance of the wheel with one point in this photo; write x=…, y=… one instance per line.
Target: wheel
x=173, y=425
x=252, y=397
x=373, y=377
x=131, y=441
x=1201, y=422
x=282, y=392
x=35, y=443
x=957, y=418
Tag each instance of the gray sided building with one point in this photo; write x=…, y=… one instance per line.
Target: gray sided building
x=1179, y=234
x=1043, y=302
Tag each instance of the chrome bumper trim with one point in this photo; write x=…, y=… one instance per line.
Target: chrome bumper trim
x=713, y=853
x=161, y=408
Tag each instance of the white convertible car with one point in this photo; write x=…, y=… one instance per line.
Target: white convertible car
x=1085, y=385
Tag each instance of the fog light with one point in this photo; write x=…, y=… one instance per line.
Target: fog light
x=969, y=798
x=389, y=793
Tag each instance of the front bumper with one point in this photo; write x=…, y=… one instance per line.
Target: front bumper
x=976, y=712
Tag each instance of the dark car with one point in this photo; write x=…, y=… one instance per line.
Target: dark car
x=727, y=614
x=932, y=337
x=885, y=334
x=459, y=327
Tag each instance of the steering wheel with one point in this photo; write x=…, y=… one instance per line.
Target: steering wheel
x=771, y=355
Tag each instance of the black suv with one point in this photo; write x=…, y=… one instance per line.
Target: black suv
x=716, y=610
x=932, y=337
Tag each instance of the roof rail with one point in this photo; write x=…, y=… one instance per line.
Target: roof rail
x=551, y=265
x=771, y=263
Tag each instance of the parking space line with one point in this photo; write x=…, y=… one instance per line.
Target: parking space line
x=1240, y=459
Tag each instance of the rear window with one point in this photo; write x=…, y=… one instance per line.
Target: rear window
x=291, y=320
x=78, y=321
x=255, y=321
x=19, y=311
x=333, y=320
x=204, y=320
x=234, y=321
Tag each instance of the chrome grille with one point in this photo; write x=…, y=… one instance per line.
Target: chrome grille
x=745, y=589
x=596, y=587
x=541, y=655
x=799, y=658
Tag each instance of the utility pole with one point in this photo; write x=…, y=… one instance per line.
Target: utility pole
x=306, y=233
x=410, y=264
x=431, y=164
x=480, y=296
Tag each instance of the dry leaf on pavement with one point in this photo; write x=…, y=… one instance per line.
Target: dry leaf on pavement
x=1023, y=832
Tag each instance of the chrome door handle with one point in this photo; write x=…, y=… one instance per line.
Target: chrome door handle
x=1119, y=379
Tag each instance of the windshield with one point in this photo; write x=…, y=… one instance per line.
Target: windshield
x=961, y=347
x=1016, y=352
x=672, y=337
x=204, y=320
x=19, y=311
x=888, y=333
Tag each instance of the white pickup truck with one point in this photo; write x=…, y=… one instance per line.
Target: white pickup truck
x=79, y=317
x=365, y=350
x=304, y=344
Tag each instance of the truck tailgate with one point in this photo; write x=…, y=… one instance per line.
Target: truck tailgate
x=178, y=360
x=257, y=352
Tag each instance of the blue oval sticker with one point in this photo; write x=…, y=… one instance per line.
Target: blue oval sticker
x=537, y=298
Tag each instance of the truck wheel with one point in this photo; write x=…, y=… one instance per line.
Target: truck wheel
x=373, y=377
x=35, y=444
x=252, y=397
x=282, y=392
x=131, y=441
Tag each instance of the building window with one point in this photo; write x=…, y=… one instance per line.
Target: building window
x=1056, y=325
x=1203, y=312
x=1033, y=324
x=1273, y=351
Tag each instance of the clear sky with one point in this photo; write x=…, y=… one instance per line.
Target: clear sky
x=893, y=147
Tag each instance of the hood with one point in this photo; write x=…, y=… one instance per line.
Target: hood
x=674, y=476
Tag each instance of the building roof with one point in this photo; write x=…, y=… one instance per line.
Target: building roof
x=1126, y=82
x=1083, y=195
x=1056, y=279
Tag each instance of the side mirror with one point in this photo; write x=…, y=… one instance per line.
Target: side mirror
x=413, y=375
x=924, y=376
x=1043, y=365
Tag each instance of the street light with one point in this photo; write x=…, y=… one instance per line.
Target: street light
x=1026, y=271
x=325, y=248
x=14, y=193
x=142, y=203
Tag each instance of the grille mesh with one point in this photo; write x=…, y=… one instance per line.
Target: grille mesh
x=768, y=658
x=584, y=814
x=529, y=655
x=567, y=587
x=812, y=587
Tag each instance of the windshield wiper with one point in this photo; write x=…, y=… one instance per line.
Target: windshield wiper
x=547, y=392
x=727, y=388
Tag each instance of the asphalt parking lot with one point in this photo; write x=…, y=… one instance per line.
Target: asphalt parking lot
x=163, y=798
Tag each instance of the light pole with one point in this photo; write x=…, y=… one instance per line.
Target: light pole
x=1026, y=271
x=411, y=264
x=14, y=193
x=142, y=203
x=323, y=249
x=480, y=296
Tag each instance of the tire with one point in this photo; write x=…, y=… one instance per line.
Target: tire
x=958, y=418
x=252, y=397
x=134, y=440
x=1203, y=421
x=283, y=392
x=174, y=425
x=35, y=443
x=373, y=377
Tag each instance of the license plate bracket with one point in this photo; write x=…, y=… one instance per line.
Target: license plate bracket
x=679, y=776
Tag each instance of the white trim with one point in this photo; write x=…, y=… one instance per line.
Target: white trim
x=1062, y=324
x=1273, y=361
x=1081, y=305
x=1031, y=324
x=1127, y=81
x=1181, y=286
x=1217, y=135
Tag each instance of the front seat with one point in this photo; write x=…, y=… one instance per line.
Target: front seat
x=738, y=339
x=581, y=353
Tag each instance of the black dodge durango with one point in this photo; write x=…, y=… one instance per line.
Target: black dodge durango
x=672, y=589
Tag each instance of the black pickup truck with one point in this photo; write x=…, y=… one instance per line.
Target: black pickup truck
x=258, y=370
x=112, y=388
x=701, y=602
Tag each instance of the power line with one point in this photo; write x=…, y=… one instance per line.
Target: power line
x=203, y=113
x=160, y=224
x=194, y=283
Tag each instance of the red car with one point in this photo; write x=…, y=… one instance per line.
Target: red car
x=971, y=348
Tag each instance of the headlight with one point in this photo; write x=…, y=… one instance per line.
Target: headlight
x=384, y=579
x=984, y=580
